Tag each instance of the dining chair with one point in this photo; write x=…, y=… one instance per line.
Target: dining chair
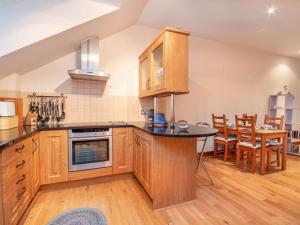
x=247, y=143
x=222, y=137
x=245, y=115
x=200, y=154
x=277, y=144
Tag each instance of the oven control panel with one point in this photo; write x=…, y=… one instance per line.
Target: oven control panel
x=90, y=132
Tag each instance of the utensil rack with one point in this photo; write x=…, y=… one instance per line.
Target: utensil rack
x=47, y=108
x=47, y=97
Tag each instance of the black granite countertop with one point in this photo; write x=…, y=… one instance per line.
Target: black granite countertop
x=11, y=136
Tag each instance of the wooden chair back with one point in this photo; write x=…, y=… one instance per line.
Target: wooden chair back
x=219, y=123
x=276, y=122
x=245, y=115
x=245, y=127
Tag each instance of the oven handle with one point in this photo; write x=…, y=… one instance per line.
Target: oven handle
x=90, y=138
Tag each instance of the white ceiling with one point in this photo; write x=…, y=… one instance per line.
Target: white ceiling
x=48, y=49
x=36, y=20
x=243, y=22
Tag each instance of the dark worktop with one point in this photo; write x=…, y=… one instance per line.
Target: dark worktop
x=11, y=136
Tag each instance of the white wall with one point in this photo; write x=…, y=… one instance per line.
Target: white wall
x=232, y=80
x=118, y=56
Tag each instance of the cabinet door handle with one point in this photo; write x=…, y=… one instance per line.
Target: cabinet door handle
x=20, y=164
x=21, y=193
x=23, y=178
x=34, y=145
x=148, y=84
x=20, y=148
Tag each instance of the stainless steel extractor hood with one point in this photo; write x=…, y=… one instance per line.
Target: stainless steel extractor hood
x=89, y=61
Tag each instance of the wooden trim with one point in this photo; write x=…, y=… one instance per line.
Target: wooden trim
x=85, y=174
x=88, y=181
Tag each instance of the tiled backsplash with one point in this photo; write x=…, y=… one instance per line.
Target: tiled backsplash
x=87, y=107
x=88, y=101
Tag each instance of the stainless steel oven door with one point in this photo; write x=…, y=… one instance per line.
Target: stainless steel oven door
x=90, y=153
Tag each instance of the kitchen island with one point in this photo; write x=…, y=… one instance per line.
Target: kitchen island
x=162, y=159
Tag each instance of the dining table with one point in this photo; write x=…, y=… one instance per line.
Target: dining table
x=266, y=135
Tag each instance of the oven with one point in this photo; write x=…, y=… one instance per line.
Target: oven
x=90, y=148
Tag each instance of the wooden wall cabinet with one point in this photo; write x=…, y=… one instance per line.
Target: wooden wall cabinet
x=122, y=150
x=143, y=159
x=35, y=164
x=54, y=155
x=163, y=66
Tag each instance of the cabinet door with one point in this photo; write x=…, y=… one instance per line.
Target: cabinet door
x=122, y=150
x=35, y=165
x=54, y=155
x=144, y=74
x=136, y=156
x=157, y=65
x=145, y=146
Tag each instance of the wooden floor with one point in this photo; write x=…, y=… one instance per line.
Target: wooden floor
x=235, y=198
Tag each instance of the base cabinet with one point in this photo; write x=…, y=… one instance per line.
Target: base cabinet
x=54, y=155
x=143, y=159
x=16, y=180
x=122, y=150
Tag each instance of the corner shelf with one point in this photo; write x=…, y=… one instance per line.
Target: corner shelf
x=282, y=104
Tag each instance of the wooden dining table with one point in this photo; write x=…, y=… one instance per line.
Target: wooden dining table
x=265, y=135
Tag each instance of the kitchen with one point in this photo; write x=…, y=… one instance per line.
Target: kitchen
x=116, y=104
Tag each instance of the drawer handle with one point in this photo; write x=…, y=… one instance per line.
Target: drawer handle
x=21, y=193
x=23, y=178
x=20, y=164
x=34, y=145
x=20, y=149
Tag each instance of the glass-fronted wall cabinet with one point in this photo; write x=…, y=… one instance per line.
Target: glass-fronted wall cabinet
x=144, y=83
x=164, y=65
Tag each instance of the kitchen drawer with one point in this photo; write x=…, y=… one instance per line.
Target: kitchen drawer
x=15, y=169
x=16, y=206
x=16, y=152
x=17, y=185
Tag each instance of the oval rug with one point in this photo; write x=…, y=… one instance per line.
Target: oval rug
x=81, y=216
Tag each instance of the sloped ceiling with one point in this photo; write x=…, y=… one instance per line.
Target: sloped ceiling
x=46, y=50
x=242, y=22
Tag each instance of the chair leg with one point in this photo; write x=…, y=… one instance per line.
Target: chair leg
x=253, y=161
x=269, y=159
x=278, y=156
x=202, y=163
x=226, y=152
x=238, y=156
x=201, y=154
x=215, y=149
x=249, y=158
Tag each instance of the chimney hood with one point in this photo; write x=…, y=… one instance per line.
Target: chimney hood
x=89, y=61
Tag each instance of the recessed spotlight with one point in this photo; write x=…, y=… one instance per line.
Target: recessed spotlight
x=271, y=10
x=299, y=51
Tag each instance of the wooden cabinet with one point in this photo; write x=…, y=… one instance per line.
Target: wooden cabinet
x=54, y=155
x=163, y=67
x=35, y=164
x=143, y=159
x=122, y=150
x=16, y=180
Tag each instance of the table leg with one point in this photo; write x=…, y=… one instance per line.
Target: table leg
x=284, y=152
x=262, y=156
